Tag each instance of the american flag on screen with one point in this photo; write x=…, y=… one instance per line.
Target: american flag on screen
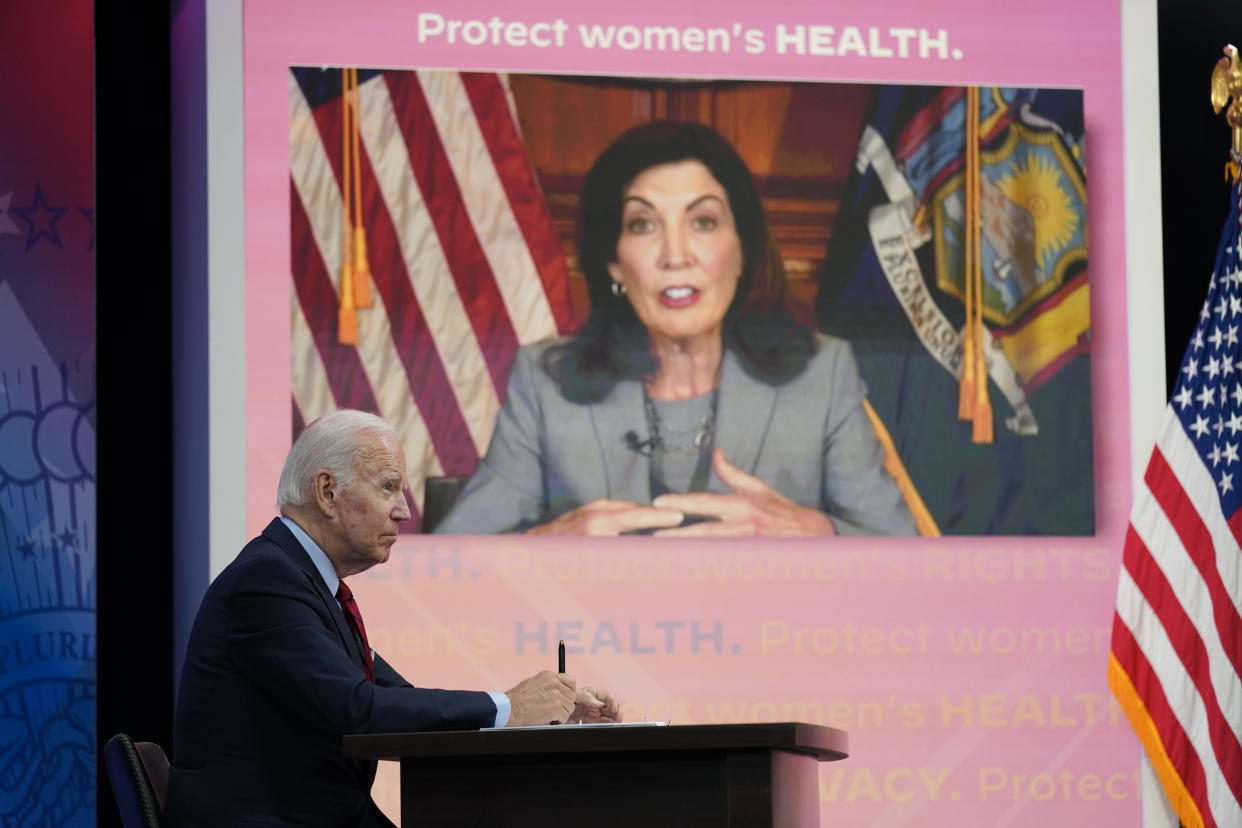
x=1177, y=635
x=466, y=265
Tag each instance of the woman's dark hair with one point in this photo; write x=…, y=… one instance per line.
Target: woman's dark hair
x=613, y=344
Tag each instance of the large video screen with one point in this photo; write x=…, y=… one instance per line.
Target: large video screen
x=467, y=191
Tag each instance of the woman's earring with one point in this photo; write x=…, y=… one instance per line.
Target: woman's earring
x=618, y=289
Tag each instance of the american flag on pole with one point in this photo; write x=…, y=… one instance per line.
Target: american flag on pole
x=465, y=261
x=1177, y=635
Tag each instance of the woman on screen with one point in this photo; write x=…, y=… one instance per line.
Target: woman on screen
x=691, y=402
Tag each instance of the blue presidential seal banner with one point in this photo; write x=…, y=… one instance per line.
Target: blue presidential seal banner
x=47, y=419
x=47, y=583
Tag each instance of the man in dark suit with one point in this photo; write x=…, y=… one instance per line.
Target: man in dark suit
x=278, y=669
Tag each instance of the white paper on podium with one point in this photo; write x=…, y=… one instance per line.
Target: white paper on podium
x=580, y=724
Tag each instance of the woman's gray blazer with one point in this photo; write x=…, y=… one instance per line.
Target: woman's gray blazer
x=809, y=438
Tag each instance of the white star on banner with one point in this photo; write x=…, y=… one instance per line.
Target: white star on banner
x=1207, y=396
x=1198, y=340
x=1226, y=483
x=1234, y=424
x=1237, y=394
x=1191, y=368
x=1215, y=338
x=1199, y=426
x=1212, y=367
x=1235, y=307
x=1183, y=397
x=1214, y=456
x=1231, y=335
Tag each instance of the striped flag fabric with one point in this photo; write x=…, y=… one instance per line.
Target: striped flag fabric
x=1176, y=657
x=466, y=264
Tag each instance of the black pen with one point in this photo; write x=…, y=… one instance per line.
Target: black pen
x=560, y=657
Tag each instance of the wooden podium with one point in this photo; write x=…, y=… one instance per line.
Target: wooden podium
x=680, y=775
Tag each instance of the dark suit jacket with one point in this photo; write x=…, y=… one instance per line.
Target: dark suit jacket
x=809, y=438
x=272, y=680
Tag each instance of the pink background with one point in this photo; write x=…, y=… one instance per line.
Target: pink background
x=855, y=633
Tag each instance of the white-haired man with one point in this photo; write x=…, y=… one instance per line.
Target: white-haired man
x=278, y=668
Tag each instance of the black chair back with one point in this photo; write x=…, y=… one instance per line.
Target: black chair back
x=139, y=776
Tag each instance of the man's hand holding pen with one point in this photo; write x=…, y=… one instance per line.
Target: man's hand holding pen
x=554, y=698
x=545, y=698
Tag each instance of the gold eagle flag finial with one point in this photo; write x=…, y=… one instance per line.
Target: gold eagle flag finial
x=1227, y=82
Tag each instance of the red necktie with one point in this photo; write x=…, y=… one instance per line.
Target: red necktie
x=354, y=617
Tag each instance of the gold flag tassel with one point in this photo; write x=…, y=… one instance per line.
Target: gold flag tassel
x=362, y=268
x=966, y=391
x=981, y=428
x=347, y=317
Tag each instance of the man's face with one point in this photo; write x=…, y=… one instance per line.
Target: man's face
x=370, y=511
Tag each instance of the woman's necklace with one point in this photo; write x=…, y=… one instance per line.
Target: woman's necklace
x=701, y=435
